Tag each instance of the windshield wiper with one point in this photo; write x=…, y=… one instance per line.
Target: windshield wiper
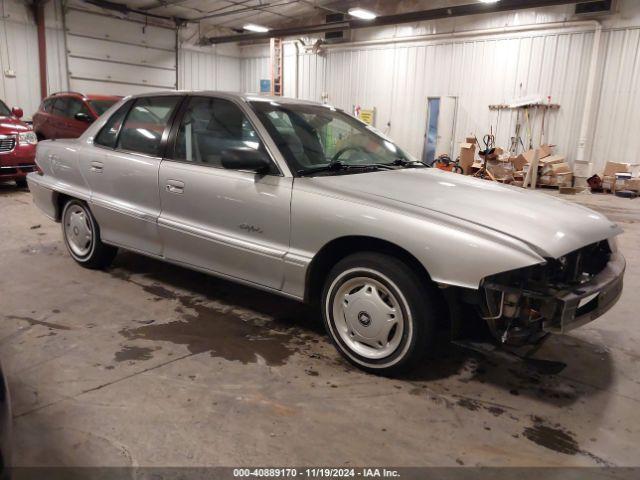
x=402, y=162
x=337, y=165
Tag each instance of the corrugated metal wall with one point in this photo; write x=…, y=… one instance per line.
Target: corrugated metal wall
x=618, y=112
x=19, y=76
x=208, y=71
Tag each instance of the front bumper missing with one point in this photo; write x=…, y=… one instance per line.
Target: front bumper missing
x=561, y=310
x=588, y=301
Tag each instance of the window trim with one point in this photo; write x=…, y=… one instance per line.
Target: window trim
x=171, y=142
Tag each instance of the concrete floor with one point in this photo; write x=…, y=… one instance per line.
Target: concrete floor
x=151, y=364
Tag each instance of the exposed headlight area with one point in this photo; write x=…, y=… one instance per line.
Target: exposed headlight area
x=27, y=138
x=522, y=304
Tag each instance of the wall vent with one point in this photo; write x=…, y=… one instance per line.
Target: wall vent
x=600, y=7
x=334, y=37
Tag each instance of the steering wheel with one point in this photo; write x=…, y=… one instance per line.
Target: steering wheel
x=346, y=149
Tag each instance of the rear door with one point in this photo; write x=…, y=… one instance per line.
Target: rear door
x=228, y=221
x=122, y=170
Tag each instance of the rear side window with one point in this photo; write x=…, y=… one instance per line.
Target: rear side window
x=147, y=120
x=47, y=105
x=108, y=136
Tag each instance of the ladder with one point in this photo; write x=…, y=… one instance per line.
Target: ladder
x=276, y=66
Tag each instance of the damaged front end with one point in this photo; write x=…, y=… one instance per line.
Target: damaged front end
x=521, y=306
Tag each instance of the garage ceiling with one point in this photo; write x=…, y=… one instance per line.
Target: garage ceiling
x=232, y=15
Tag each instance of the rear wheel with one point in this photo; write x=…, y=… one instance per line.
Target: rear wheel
x=22, y=183
x=82, y=237
x=379, y=312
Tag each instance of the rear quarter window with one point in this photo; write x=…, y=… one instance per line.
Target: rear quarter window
x=108, y=135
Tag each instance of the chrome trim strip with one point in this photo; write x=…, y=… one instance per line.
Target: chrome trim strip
x=222, y=239
x=123, y=209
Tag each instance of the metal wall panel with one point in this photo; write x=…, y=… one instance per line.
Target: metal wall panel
x=209, y=71
x=254, y=69
x=618, y=114
x=19, y=75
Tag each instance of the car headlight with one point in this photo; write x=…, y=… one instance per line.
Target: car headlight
x=27, y=138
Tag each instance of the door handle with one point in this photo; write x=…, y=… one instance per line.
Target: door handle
x=175, y=186
x=97, y=166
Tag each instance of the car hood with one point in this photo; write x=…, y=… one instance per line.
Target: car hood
x=12, y=125
x=552, y=226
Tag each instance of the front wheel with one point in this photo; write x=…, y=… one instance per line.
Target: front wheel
x=82, y=237
x=379, y=312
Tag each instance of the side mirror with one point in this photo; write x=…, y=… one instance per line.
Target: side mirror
x=17, y=112
x=83, y=117
x=245, y=158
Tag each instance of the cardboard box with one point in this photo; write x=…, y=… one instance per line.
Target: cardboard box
x=518, y=162
x=556, y=168
x=545, y=150
x=633, y=184
x=501, y=169
x=551, y=159
x=467, y=156
x=559, y=180
x=611, y=168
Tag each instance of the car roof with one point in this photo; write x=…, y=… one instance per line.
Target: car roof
x=90, y=96
x=247, y=97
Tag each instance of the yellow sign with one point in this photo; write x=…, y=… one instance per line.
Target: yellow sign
x=366, y=115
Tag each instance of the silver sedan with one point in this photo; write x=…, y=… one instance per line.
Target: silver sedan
x=305, y=201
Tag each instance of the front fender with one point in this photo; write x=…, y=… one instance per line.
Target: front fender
x=453, y=251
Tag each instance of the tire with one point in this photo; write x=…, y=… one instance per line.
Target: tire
x=22, y=183
x=81, y=235
x=379, y=312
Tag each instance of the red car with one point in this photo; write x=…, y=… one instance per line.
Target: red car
x=68, y=114
x=17, y=146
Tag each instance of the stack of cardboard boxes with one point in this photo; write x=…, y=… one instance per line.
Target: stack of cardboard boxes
x=553, y=170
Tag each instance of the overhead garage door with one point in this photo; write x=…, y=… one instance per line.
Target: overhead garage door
x=108, y=55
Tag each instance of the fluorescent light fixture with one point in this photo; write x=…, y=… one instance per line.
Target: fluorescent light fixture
x=252, y=27
x=489, y=1
x=361, y=13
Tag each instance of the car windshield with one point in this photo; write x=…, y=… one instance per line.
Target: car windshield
x=101, y=106
x=4, y=110
x=315, y=138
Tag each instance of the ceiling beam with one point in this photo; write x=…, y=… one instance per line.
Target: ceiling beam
x=395, y=19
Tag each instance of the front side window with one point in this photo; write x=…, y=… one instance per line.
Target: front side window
x=108, y=136
x=210, y=126
x=75, y=106
x=147, y=120
x=314, y=138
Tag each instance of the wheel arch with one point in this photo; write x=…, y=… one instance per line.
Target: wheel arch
x=60, y=199
x=338, y=248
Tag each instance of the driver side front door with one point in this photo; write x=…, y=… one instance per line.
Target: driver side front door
x=234, y=223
